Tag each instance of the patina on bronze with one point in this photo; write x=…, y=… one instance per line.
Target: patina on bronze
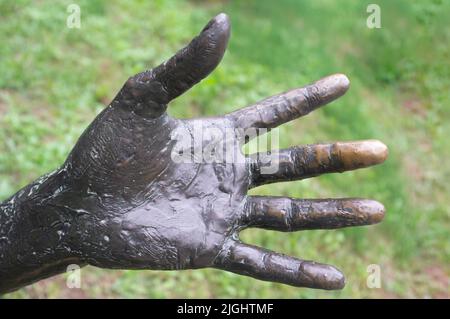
x=119, y=201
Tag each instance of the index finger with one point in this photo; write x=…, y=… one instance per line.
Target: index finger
x=285, y=107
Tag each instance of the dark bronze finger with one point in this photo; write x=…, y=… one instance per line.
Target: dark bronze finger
x=287, y=214
x=148, y=93
x=311, y=160
x=266, y=265
x=290, y=105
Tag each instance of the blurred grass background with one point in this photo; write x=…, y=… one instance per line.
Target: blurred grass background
x=54, y=80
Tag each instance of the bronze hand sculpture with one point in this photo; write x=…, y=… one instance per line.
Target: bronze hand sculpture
x=121, y=201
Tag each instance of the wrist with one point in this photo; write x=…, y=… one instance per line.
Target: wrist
x=35, y=240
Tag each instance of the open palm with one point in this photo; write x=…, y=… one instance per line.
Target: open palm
x=145, y=200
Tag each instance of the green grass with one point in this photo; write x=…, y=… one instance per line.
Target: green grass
x=54, y=80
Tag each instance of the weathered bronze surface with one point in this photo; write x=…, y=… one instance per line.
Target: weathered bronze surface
x=120, y=201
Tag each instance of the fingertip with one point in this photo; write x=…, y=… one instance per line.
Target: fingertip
x=372, y=152
x=213, y=42
x=375, y=211
x=222, y=18
x=360, y=154
x=338, y=279
x=323, y=276
x=342, y=81
x=365, y=211
x=219, y=24
x=332, y=87
x=380, y=150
